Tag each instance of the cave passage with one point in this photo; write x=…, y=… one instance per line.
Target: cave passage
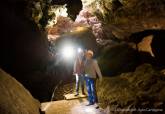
x=41, y=41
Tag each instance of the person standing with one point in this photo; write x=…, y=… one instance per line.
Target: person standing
x=79, y=72
x=91, y=71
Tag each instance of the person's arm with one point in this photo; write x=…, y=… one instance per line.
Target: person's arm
x=97, y=69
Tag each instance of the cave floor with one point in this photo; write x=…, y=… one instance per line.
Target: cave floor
x=75, y=106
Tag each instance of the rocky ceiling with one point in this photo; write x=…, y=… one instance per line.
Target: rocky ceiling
x=122, y=17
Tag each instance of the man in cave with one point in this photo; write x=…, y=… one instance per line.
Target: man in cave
x=91, y=70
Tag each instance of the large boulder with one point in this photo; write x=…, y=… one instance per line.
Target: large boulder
x=14, y=98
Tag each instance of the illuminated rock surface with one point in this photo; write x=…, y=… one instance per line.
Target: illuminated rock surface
x=124, y=17
x=77, y=106
x=14, y=98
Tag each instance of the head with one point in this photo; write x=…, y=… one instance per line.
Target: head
x=89, y=54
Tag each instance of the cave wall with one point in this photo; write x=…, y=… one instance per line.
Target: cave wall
x=23, y=46
x=22, y=43
x=140, y=89
x=150, y=44
x=118, y=58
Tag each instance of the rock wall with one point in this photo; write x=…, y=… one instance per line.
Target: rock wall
x=118, y=58
x=150, y=44
x=24, y=49
x=142, y=89
x=14, y=98
x=128, y=20
x=128, y=16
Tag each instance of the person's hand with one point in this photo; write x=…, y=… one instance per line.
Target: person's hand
x=100, y=79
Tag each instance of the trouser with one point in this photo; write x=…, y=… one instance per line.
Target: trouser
x=79, y=80
x=91, y=89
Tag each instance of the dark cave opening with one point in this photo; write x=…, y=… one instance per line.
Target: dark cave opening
x=157, y=46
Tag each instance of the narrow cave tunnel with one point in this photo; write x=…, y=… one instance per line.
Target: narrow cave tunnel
x=35, y=76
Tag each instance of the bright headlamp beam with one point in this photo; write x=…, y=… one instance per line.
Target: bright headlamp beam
x=68, y=52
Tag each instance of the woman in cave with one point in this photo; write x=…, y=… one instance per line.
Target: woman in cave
x=79, y=71
x=91, y=69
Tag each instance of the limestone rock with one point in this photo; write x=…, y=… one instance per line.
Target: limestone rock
x=117, y=58
x=14, y=98
x=124, y=17
x=143, y=88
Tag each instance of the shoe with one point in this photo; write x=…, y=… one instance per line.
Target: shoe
x=96, y=106
x=90, y=104
x=76, y=94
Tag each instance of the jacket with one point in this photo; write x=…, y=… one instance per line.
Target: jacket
x=92, y=69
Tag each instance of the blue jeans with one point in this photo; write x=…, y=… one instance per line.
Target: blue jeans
x=91, y=89
x=79, y=80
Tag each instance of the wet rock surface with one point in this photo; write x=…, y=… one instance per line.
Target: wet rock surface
x=14, y=98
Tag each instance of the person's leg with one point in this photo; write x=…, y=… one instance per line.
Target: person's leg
x=88, y=85
x=93, y=91
x=96, y=98
x=82, y=84
x=77, y=84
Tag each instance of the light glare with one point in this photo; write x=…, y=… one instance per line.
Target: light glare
x=68, y=52
x=79, y=50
